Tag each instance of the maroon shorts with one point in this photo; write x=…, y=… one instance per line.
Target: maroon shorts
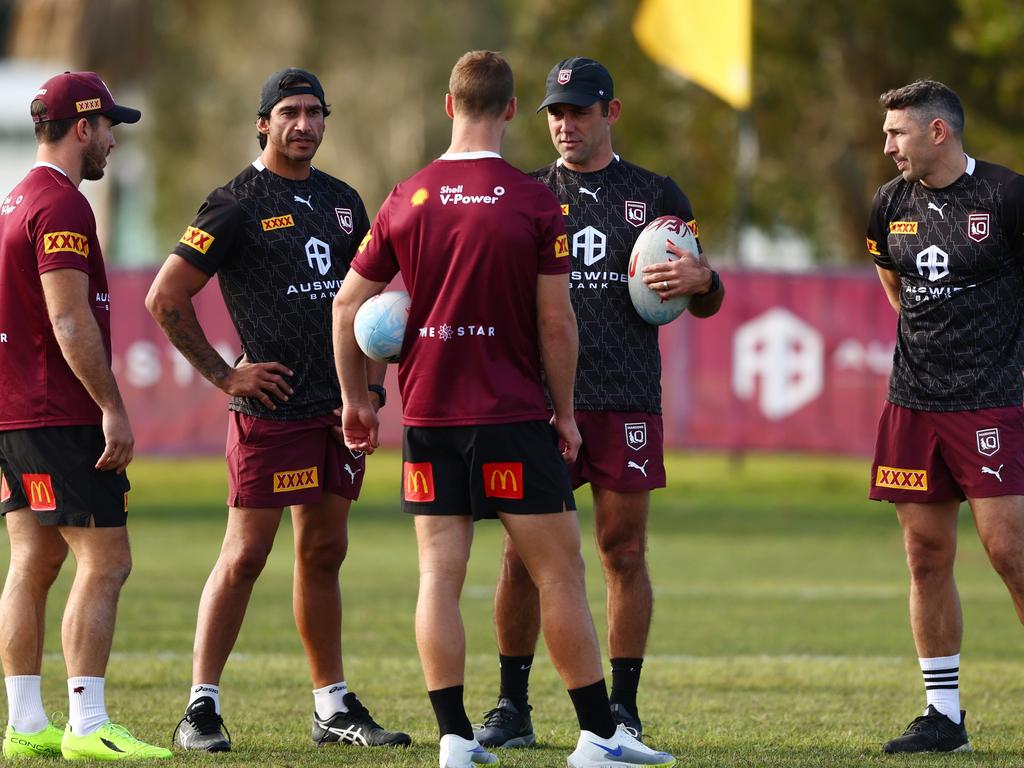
x=622, y=451
x=275, y=464
x=928, y=456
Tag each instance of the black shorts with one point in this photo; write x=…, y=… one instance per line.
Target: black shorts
x=53, y=471
x=483, y=470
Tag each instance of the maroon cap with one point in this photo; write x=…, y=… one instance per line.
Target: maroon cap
x=80, y=94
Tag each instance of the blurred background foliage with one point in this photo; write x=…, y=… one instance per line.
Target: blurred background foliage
x=818, y=70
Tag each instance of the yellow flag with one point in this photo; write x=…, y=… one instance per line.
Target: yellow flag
x=706, y=41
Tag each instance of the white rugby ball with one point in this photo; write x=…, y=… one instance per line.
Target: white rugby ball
x=650, y=248
x=380, y=325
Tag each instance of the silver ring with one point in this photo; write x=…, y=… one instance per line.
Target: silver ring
x=664, y=285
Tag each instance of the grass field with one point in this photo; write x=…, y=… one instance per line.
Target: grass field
x=780, y=635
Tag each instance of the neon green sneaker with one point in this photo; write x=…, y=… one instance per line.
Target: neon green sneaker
x=110, y=742
x=44, y=743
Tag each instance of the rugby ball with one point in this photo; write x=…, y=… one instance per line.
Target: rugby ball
x=650, y=248
x=380, y=325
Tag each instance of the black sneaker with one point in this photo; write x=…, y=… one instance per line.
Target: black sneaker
x=628, y=720
x=506, y=726
x=200, y=728
x=357, y=727
x=932, y=732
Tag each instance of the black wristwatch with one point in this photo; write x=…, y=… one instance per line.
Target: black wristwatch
x=716, y=283
x=380, y=392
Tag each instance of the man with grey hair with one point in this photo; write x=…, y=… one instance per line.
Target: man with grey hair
x=947, y=237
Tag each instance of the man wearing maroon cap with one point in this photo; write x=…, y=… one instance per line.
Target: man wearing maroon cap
x=65, y=439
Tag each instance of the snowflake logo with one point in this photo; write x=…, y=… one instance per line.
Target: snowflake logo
x=445, y=332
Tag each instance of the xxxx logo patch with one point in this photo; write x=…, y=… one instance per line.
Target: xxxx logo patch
x=66, y=242
x=296, y=480
x=197, y=239
x=904, y=479
x=277, y=222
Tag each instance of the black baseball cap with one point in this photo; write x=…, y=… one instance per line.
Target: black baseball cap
x=577, y=81
x=274, y=90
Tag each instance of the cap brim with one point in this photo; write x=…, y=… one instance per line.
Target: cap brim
x=576, y=98
x=119, y=114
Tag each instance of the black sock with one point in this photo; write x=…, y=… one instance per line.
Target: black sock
x=625, y=681
x=592, y=710
x=450, y=712
x=515, y=679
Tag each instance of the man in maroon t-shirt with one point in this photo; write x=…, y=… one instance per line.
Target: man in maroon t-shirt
x=483, y=251
x=65, y=439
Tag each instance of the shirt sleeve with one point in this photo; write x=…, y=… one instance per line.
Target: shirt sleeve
x=877, y=243
x=208, y=240
x=1013, y=214
x=375, y=259
x=674, y=202
x=63, y=232
x=552, y=242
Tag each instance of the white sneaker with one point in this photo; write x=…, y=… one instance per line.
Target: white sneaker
x=457, y=752
x=620, y=750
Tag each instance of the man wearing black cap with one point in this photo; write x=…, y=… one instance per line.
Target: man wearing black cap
x=65, y=438
x=280, y=237
x=606, y=202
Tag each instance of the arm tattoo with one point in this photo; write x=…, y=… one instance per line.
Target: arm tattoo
x=187, y=336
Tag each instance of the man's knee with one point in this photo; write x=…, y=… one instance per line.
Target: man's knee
x=244, y=563
x=622, y=552
x=39, y=567
x=322, y=554
x=929, y=557
x=1007, y=558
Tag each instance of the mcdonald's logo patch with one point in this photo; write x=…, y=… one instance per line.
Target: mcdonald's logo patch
x=561, y=246
x=196, y=238
x=87, y=104
x=62, y=242
x=904, y=479
x=873, y=247
x=39, y=488
x=277, y=222
x=902, y=227
x=503, y=480
x=565, y=209
x=419, y=480
x=126, y=501
x=5, y=489
x=296, y=480
x=692, y=224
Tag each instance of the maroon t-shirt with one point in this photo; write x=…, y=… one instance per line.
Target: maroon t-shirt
x=45, y=224
x=469, y=234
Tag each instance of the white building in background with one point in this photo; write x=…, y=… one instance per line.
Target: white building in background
x=122, y=201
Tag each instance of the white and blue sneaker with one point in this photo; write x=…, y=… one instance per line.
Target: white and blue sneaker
x=457, y=752
x=621, y=750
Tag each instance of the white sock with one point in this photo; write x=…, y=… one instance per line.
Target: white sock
x=328, y=699
x=205, y=689
x=25, y=704
x=942, y=684
x=87, y=710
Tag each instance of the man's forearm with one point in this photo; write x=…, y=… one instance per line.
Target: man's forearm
x=182, y=327
x=559, y=347
x=82, y=345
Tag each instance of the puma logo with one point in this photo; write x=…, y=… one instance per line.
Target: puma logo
x=934, y=207
x=987, y=471
x=352, y=472
x=307, y=201
x=585, y=191
x=643, y=469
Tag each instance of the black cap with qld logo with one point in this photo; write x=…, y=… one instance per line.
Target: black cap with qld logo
x=80, y=94
x=577, y=81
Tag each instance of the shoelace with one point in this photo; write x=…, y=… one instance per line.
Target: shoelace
x=205, y=723
x=499, y=717
x=919, y=724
